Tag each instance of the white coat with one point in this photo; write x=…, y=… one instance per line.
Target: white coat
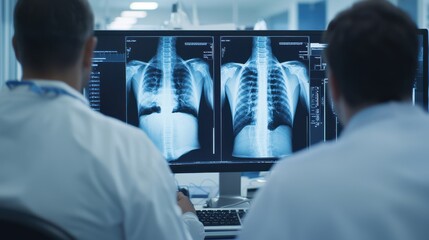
x=92, y=175
x=372, y=184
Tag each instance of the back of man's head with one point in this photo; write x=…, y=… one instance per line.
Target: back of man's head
x=372, y=53
x=51, y=33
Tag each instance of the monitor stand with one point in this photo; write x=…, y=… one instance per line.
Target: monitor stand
x=229, y=192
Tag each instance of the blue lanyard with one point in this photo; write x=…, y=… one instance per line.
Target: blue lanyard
x=44, y=91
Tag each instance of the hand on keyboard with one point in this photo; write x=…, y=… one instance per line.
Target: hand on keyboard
x=184, y=203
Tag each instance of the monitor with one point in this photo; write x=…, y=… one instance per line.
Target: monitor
x=222, y=101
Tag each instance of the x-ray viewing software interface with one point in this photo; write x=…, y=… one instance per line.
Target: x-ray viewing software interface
x=218, y=98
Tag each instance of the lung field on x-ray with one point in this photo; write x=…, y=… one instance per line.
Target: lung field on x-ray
x=263, y=87
x=168, y=77
x=250, y=91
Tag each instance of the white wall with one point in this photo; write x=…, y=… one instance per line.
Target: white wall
x=2, y=26
x=8, y=64
x=423, y=11
x=245, y=15
x=335, y=6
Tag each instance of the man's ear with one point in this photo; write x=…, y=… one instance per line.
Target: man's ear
x=16, y=49
x=88, y=51
x=334, y=89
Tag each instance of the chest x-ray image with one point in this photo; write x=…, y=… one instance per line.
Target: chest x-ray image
x=263, y=92
x=168, y=77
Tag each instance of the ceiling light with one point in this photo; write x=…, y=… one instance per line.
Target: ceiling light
x=125, y=20
x=118, y=26
x=143, y=5
x=133, y=14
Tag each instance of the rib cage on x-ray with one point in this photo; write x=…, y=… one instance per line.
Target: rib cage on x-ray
x=168, y=85
x=263, y=96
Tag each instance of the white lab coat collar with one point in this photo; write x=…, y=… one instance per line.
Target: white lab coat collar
x=62, y=85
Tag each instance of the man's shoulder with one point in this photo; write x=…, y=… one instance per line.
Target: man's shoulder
x=116, y=137
x=119, y=147
x=101, y=122
x=116, y=125
x=309, y=158
x=310, y=169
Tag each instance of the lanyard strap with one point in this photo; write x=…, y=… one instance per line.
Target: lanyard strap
x=43, y=91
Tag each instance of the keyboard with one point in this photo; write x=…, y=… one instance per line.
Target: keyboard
x=221, y=221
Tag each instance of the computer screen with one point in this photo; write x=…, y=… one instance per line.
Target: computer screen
x=222, y=101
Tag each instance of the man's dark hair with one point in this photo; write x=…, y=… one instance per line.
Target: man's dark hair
x=372, y=52
x=51, y=33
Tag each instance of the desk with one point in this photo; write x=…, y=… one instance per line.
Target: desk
x=208, y=183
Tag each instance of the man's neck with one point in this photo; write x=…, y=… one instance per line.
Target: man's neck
x=346, y=112
x=70, y=77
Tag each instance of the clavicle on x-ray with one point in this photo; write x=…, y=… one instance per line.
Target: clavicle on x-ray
x=263, y=94
x=168, y=91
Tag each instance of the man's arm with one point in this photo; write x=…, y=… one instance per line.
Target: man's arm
x=195, y=227
x=149, y=196
x=300, y=72
x=202, y=73
x=133, y=76
x=229, y=83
